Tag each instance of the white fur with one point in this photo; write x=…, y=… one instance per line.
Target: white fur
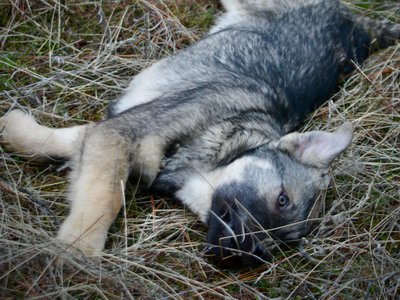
x=197, y=192
x=150, y=155
x=226, y=20
x=270, y=5
x=239, y=9
x=146, y=86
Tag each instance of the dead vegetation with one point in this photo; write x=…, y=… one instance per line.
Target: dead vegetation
x=65, y=60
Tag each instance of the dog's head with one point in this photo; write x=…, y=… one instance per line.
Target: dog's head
x=271, y=193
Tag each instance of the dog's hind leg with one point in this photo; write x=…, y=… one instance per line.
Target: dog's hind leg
x=23, y=135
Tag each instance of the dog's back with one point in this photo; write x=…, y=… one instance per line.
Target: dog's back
x=297, y=48
x=282, y=61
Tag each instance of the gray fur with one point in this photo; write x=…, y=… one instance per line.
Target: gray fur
x=211, y=126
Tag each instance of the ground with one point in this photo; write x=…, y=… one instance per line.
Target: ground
x=63, y=61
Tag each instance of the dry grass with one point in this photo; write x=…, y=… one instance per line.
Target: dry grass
x=64, y=62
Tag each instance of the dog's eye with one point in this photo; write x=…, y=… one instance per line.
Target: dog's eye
x=283, y=200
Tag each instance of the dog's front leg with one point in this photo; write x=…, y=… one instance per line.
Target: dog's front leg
x=97, y=183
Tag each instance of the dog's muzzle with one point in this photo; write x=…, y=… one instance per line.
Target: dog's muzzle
x=234, y=239
x=238, y=238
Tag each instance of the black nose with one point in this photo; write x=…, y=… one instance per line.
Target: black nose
x=233, y=241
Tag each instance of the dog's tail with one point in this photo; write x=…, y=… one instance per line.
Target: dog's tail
x=22, y=134
x=382, y=33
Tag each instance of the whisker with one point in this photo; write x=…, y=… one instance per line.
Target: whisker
x=243, y=232
x=227, y=227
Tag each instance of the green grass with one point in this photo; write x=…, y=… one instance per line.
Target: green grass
x=64, y=61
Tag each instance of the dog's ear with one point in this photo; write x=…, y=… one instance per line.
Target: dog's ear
x=317, y=148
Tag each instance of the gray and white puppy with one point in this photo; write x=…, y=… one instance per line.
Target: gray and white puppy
x=211, y=126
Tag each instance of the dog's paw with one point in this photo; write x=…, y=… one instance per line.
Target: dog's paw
x=78, y=245
x=16, y=130
x=76, y=239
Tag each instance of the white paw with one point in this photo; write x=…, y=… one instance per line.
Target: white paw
x=89, y=240
x=16, y=129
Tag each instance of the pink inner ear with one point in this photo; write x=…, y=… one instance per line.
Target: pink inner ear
x=300, y=148
x=317, y=148
x=320, y=148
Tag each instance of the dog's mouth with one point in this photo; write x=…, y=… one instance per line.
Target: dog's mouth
x=251, y=250
x=229, y=254
x=235, y=240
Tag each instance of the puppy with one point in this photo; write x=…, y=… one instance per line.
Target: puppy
x=212, y=126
